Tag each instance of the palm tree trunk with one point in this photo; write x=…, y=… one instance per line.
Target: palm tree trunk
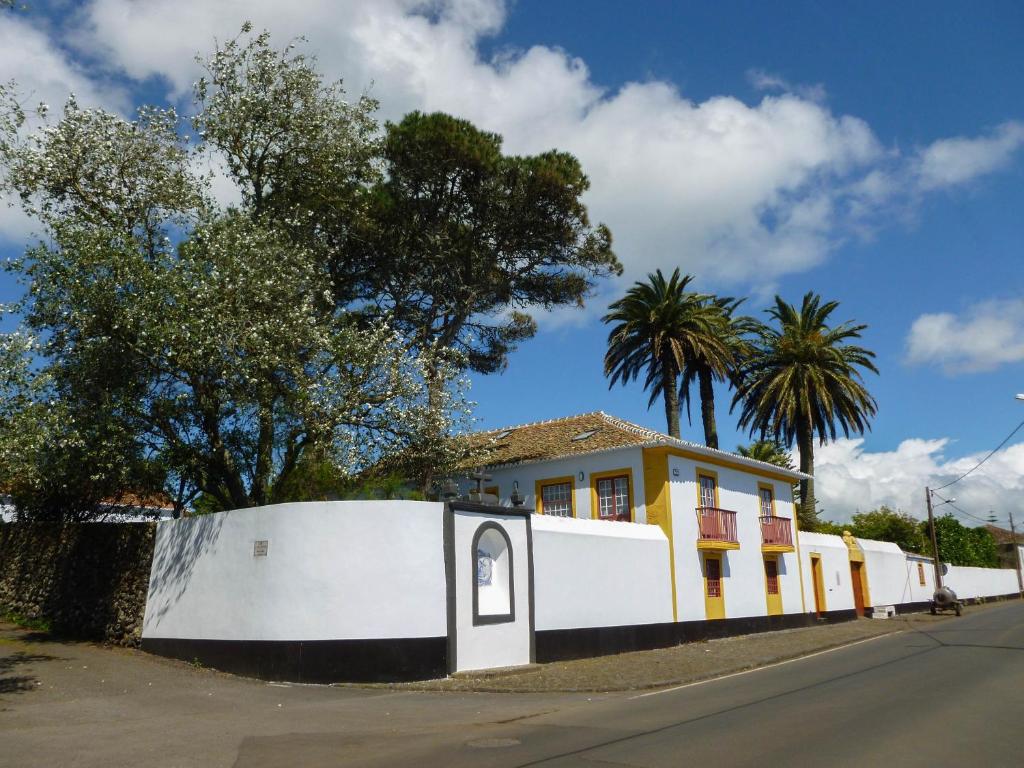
x=671, y=395
x=805, y=442
x=707, y=407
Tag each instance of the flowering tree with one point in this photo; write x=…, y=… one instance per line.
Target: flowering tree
x=162, y=329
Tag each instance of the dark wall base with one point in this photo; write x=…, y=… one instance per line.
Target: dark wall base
x=567, y=644
x=314, y=661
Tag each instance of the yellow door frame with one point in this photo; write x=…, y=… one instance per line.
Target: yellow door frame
x=773, y=602
x=714, y=607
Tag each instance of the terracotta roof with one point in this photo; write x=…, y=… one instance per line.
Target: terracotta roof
x=138, y=501
x=1003, y=536
x=585, y=434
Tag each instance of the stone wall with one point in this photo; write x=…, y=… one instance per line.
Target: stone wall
x=88, y=581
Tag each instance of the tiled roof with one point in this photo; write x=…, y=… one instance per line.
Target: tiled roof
x=1003, y=536
x=583, y=434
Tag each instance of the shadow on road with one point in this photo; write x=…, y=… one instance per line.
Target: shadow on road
x=19, y=683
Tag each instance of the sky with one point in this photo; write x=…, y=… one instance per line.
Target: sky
x=872, y=153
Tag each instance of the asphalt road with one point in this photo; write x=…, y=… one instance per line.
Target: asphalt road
x=947, y=694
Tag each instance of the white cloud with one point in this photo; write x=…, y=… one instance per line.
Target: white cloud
x=850, y=479
x=740, y=194
x=954, y=161
x=44, y=75
x=986, y=336
x=766, y=81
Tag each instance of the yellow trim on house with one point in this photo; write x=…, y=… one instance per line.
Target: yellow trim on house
x=770, y=487
x=701, y=458
x=492, y=489
x=714, y=476
x=821, y=604
x=595, y=476
x=857, y=556
x=772, y=602
x=716, y=546
x=714, y=607
x=776, y=548
x=799, y=555
x=538, y=495
x=658, y=504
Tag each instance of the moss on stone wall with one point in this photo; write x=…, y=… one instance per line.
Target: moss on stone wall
x=86, y=581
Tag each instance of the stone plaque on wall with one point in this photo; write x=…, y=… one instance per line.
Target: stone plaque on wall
x=259, y=548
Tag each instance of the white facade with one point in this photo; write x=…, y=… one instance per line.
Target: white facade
x=331, y=571
x=597, y=573
x=579, y=469
x=743, y=569
x=970, y=583
x=834, y=558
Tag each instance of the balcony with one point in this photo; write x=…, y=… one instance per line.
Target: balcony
x=716, y=529
x=776, y=534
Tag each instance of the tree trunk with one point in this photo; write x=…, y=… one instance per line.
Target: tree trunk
x=707, y=408
x=671, y=395
x=805, y=442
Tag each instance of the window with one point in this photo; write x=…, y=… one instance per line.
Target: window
x=556, y=498
x=613, y=498
x=767, y=497
x=771, y=576
x=708, y=491
x=920, y=573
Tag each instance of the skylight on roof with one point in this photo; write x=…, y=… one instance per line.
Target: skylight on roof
x=504, y=434
x=584, y=435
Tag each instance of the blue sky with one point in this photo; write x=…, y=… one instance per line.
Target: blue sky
x=874, y=154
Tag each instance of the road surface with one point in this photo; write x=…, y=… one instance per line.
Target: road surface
x=951, y=693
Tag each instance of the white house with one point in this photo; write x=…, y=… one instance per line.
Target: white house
x=729, y=520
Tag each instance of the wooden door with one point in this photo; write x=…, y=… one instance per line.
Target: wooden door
x=819, y=585
x=714, y=587
x=858, y=588
x=771, y=586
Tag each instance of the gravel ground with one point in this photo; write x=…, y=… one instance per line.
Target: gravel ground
x=680, y=664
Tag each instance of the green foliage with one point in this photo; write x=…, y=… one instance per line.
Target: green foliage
x=458, y=233
x=768, y=451
x=803, y=378
x=960, y=545
x=885, y=524
x=210, y=346
x=660, y=330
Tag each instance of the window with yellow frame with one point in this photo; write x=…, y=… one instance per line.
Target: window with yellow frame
x=555, y=497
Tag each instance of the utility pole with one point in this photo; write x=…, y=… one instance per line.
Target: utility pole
x=935, y=541
x=1016, y=554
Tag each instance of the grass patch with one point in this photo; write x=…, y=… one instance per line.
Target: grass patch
x=26, y=622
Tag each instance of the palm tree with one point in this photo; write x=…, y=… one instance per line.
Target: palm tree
x=802, y=379
x=768, y=451
x=660, y=328
x=712, y=364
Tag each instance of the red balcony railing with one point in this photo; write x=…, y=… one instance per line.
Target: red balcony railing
x=777, y=531
x=716, y=525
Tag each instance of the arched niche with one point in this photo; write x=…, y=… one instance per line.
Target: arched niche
x=493, y=579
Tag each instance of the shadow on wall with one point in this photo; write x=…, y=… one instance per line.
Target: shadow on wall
x=180, y=544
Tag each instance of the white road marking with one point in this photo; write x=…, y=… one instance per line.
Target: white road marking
x=766, y=666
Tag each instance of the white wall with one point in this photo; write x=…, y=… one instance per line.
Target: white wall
x=980, y=582
x=743, y=568
x=835, y=570
x=598, y=573
x=917, y=592
x=333, y=571
x=504, y=644
x=528, y=474
x=890, y=581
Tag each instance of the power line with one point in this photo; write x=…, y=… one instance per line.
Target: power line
x=990, y=454
x=961, y=511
